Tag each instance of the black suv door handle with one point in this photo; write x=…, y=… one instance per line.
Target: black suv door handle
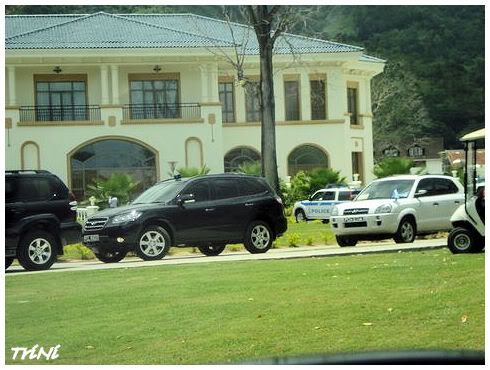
x=457, y=201
x=249, y=204
x=210, y=209
x=436, y=204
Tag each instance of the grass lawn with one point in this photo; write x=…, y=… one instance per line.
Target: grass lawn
x=237, y=311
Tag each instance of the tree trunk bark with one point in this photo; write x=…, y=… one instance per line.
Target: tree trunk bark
x=269, y=160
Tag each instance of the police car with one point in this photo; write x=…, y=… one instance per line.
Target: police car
x=320, y=204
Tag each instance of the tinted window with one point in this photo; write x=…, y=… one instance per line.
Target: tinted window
x=10, y=189
x=251, y=187
x=444, y=186
x=200, y=190
x=345, y=195
x=225, y=188
x=34, y=189
x=328, y=195
x=427, y=185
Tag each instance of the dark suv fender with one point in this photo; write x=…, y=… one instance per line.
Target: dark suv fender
x=47, y=222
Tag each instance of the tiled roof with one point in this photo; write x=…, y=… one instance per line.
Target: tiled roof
x=102, y=30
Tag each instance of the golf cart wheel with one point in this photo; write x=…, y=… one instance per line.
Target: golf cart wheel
x=153, y=243
x=461, y=240
x=37, y=250
x=258, y=238
x=406, y=231
x=300, y=216
x=211, y=250
x=111, y=256
x=346, y=241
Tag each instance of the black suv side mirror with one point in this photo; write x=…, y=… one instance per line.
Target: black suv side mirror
x=185, y=199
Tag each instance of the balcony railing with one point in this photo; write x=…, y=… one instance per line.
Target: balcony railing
x=60, y=113
x=162, y=111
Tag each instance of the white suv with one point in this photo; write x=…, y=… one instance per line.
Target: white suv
x=400, y=207
x=320, y=204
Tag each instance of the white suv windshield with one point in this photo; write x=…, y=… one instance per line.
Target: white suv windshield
x=390, y=189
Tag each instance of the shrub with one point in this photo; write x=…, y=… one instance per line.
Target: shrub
x=294, y=240
x=321, y=177
x=251, y=168
x=193, y=171
x=119, y=185
x=78, y=251
x=309, y=240
x=393, y=166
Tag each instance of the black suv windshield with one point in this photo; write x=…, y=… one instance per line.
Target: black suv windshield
x=390, y=189
x=160, y=193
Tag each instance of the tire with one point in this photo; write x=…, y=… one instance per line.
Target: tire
x=346, y=241
x=111, y=256
x=406, y=231
x=37, y=250
x=300, y=216
x=212, y=250
x=8, y=262
x=326, y=221
x=461, y=240
x=258, y=238
x=153, y=243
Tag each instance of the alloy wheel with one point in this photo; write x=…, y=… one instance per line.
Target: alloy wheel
x=39, y=251
x=152, y=243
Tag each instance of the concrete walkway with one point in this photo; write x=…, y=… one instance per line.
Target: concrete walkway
x=282, y=253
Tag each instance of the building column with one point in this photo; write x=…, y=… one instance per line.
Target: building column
x=104, y=84
x=12, y=94
x=305, y=96
x=204, y=83
x=115, y=84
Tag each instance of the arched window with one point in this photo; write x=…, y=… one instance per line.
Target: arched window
x=306, y=158
x=100, y=159
x=238, y=156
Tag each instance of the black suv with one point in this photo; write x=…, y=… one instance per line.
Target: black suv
x=207, y=212
x=40, y=218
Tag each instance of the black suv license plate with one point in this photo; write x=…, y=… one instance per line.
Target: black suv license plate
x=91, y=238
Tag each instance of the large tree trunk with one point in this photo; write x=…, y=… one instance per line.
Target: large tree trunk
x=269, y=160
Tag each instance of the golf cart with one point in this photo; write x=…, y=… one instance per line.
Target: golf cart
x=468, y=233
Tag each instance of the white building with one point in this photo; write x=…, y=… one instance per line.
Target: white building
x=89, y=95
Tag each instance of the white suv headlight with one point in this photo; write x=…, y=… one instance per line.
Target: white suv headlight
x=335, y=211
x=385, y=208
x=126, y=217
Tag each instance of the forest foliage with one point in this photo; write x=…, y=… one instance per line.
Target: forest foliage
x=433, y=83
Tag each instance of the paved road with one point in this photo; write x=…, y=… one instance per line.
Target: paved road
x=284, y=253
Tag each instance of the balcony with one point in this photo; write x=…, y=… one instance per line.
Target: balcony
x=182, y=111
x=60, y=113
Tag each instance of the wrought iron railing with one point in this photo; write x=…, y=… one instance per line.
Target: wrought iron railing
x=60, y=113
x=163, y=111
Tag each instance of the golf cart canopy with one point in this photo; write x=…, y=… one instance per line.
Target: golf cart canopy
x=475, y=135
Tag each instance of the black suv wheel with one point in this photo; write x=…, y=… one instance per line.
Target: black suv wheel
x=153, y=243
x=37, y=250
x=258, y=238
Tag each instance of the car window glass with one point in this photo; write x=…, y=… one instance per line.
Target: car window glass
x=10, y=190
x=329, y=195
x=225, y=188
x=444, y=186
x=34, y=189
x=427, y=185
x=200, y=191
x=345, y=195
x=319, y=196
x=251, y=187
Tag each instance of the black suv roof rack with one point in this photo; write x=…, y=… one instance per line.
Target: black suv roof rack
x=7, y=172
